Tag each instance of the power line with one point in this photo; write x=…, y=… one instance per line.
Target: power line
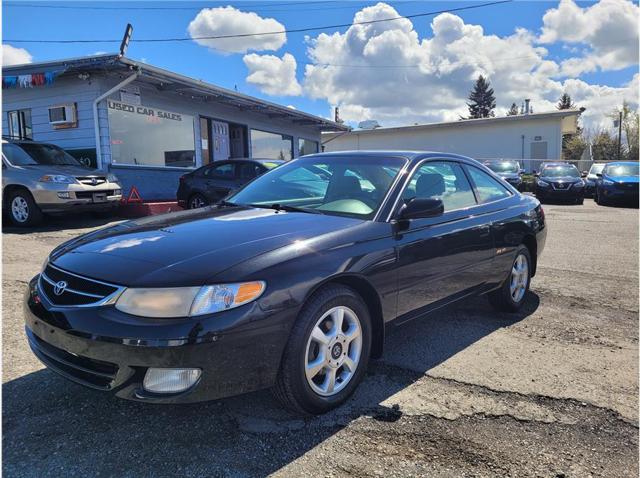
x=293, y=30
x=95, y=7
x=493, y=60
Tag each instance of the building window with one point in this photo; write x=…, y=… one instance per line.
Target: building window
x=150, y=137
x=307, y=146
x=271, y=145
x=19, y=122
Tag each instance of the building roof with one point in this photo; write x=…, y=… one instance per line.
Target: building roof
x=165, y=80
x=467, y=122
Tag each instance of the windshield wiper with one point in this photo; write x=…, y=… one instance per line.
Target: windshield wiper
x=286, y=207
x=226, y=203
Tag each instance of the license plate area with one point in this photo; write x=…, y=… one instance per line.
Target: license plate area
x=100, y=197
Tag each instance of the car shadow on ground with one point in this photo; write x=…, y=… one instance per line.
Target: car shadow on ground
x=62, y=223
x=52, y=426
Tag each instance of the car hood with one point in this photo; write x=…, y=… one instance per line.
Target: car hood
x=188, y=247
x=58, y=169
x=623, y=179
x=509, y=175
x=561, y=179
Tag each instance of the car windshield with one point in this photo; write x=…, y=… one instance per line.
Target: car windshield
x=43, y=154
x=504, y=167
x=619, y=170
x=339, y=185
x=596, y=168
x=560, y=171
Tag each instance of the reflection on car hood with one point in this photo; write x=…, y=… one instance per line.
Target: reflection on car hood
x=60, y=169
x=509, y=175
x=188, y=247
x=623, y=179
x=560, y=179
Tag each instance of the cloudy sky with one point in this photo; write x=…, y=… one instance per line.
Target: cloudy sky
x=415, y=69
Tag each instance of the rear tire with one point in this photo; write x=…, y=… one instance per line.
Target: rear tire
x=580, y=201
x=511, y=295
x=22, y=209
x=323, y=363
x=197, y=201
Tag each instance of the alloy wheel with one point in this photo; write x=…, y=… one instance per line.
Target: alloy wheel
x=196, y=202
x=519, y=278
x=333, y=351
x=20, y=209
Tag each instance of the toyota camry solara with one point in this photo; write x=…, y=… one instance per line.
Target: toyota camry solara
x=289, y=284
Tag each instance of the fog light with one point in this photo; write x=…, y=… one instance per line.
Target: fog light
x=170, y=380
x=64, y=195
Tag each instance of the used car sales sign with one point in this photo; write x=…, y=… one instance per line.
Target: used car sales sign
x=143, y=110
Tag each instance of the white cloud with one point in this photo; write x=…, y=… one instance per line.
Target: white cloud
x=433, y=76
x=608, y=28
x=222, y=21
x=15, y=56
x=272, y=75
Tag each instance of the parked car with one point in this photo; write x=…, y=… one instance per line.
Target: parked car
x=559, y=182
x=617, y=182
x=591, y=178
x=211, y=183
x=282, y=285
x=41, y=178
x=510, y=171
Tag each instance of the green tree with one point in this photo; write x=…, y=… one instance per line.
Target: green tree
x=513, y=110
x=565, y=102
x=630, y=127
x=604, y=147
x=573, y=146
x=482, y=99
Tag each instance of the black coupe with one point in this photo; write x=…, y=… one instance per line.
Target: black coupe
x=290, y=283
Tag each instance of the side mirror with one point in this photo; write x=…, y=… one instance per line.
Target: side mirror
x=536, y=174
x=521, y=171
x=599, y=175
x=419, y=208
x=584, y=174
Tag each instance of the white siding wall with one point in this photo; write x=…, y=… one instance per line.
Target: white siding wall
x=494, y=140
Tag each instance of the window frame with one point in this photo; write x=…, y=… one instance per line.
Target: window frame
x=467, y=168
x=276, y=133
x=302, y=139
x=22, y=133
x=216, y=164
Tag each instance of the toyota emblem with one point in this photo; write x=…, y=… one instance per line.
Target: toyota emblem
x=60, y=287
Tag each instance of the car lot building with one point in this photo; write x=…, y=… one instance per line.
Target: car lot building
x=145, y=124
x=525, y=137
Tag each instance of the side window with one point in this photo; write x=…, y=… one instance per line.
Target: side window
x=441, y=180
x=488, y=189
x=221, y=171
x=248, y=170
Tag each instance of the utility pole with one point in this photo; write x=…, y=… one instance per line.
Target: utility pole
x=620, y=136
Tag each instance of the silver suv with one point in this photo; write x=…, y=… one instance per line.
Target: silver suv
x=42, y=178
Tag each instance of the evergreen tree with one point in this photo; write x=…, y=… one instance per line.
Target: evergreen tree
x=482, y=100
x=604, y=147
x=565, y=103
x=513, y=110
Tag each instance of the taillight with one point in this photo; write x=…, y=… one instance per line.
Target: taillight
x=182, y=178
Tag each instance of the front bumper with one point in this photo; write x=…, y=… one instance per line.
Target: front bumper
x=55, y=197
x=550, y=194
x=238, y=350
x=619, y=194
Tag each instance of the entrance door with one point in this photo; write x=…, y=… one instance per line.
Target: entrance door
x=220, y=139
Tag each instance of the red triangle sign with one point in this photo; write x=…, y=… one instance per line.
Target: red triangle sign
x=134, y=195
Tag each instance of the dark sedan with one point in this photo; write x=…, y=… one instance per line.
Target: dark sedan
x=290, y=283
x=510, y=171
x=560, y=182
x=617, y=182
x=211, y=183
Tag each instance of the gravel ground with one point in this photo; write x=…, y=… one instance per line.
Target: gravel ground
x=550, y=391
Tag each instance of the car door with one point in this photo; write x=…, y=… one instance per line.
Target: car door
x=220, y=179
x=445, y=257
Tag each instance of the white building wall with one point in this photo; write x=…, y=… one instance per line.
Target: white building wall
x=509, y=139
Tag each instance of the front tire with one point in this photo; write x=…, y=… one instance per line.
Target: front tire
x=197, y=201
x=22, y=209
x=511, y=296
x=327, y=354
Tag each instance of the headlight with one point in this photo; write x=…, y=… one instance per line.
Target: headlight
x=57, y=178
x=542, y=183
x=578, y=184
x=606, y=182
x=112, y=178
x=188, y=301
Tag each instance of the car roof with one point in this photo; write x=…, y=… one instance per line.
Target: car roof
x=411, y=155
x=491, y=161
x=630, y=163
x=558, y=163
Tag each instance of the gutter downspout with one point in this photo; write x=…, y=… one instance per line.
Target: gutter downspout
x=96, y=122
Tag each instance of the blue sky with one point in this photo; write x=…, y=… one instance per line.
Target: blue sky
x=229, y=70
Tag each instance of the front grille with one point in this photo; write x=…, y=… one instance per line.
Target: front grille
x=66, y=289
x=561, y=186
x=89, y=194
x=87, y=371
x=92, y=180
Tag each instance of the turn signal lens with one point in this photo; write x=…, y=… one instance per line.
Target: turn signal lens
x=215, y=298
